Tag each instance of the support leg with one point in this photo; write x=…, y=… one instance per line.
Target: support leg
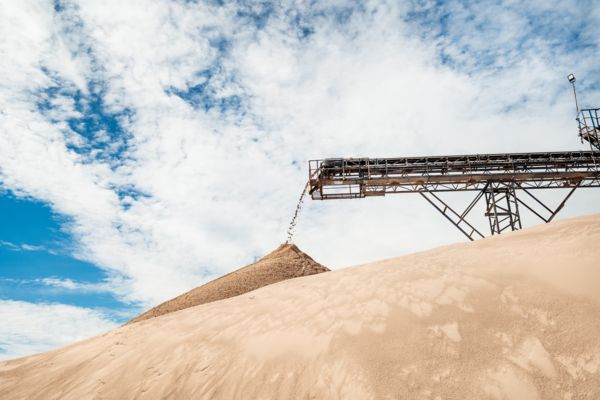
x=547, y=210
x=502, y=208
x=456, y=219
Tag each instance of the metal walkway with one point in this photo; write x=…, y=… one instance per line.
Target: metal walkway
x=589, y=126
x=506, y=181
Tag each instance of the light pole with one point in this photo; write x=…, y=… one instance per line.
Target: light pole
x=572, y=79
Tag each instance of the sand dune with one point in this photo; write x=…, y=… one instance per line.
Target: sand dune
x=510, y=317
x=285, y=262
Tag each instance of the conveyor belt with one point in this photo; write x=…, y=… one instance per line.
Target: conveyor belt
x=346, y=178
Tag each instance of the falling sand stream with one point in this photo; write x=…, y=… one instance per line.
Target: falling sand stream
x=294, y=221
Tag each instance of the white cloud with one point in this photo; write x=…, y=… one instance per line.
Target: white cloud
x=23, y=247
x=29, y=328
x=81, y=287
x=29, y=247
x=220, y=187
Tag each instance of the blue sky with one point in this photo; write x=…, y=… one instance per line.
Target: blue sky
x=38, y=261
x=148, y=147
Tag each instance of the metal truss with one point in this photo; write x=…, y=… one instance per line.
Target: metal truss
x=455, y=218
x=502, y=208
x=349, y=178
x=505, y=181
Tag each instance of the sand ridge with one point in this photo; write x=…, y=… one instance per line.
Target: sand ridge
x=499, y=318
x=285, y=262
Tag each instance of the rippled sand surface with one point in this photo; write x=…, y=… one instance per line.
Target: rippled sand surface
x=509, y=317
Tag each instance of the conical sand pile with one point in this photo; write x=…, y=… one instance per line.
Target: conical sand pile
x=286, y=262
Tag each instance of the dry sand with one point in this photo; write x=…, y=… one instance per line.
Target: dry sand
x=285, y=262
x=510, y=317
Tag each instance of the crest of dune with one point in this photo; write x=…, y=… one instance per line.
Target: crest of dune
x=514, y=316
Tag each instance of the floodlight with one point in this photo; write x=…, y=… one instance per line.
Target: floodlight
x=571, y=78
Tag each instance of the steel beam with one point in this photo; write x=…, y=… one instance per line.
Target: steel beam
x=546, y=209
x=502, y=208
x=458, y=220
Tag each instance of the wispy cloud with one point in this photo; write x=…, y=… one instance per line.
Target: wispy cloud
x=31, y=328
x=58, y=287
x=24, y=247
x=29, y=247
x=71, y=285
